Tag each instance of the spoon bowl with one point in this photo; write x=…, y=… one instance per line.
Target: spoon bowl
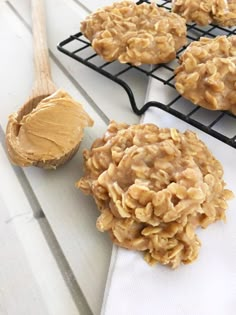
x=42, y=88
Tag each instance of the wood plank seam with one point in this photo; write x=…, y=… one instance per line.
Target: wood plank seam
x=82, y=6
x=50, y=237
x=38, y=214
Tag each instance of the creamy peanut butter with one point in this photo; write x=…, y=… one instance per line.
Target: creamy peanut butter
x=49, y=131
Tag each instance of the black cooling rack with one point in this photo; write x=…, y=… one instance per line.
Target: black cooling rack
x=221, y=125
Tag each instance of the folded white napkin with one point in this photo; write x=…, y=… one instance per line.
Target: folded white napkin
x=205, y=287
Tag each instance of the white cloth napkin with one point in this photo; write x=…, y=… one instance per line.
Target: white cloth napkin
x=205, y=287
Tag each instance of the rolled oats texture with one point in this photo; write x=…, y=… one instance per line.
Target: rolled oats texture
x=136, y=34
x=204, y=12
x=207, y=73
x=154, y=187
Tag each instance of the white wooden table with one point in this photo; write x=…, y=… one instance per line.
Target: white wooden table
x=52, y=258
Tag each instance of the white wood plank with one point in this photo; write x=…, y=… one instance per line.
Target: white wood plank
x=30, y=280
x=71, y=215
x=16, y=274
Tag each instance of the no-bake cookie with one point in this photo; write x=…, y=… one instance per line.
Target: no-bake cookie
x=154, y=187
x=204, y=12
x=136, y=34
x=207, y=73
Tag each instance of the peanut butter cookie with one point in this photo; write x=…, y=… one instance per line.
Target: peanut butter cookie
x=204, y=12
x=154, y=187
x=207, y=73
x=136, y=34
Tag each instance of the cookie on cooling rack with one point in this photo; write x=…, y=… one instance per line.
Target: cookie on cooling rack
x=207, y=73
x=204, y=12
x=227, y=17
x=136, y=34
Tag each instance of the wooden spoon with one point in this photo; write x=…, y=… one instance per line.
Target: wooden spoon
x=42, y=87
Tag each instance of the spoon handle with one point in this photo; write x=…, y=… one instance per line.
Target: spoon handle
x=43, y=83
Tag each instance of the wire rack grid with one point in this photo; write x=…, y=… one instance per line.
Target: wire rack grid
x=221, y=125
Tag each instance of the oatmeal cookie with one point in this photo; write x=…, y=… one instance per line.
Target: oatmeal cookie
x=154, y=187
x=207, y=73
x=136, y=34
x=227, y=17
x=204, y=12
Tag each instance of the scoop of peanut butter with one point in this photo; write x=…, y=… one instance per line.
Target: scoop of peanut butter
x=49, y=132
